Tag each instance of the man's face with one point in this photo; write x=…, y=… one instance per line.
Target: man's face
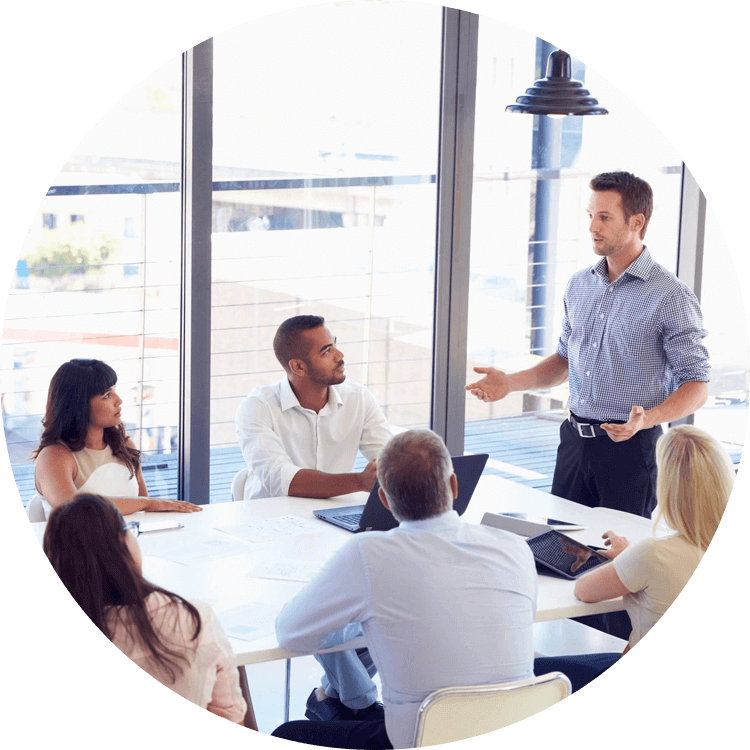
x=324, y=362
x=610, y=232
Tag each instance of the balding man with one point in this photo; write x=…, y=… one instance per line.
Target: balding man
x=440, y=601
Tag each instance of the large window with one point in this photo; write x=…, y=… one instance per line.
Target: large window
x=530, y=234
x=324, y=194
x=98, y=277
x=725, y=413
x=328, y=206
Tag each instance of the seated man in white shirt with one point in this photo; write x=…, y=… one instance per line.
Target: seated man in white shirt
x=441, y=602
x=300, y=437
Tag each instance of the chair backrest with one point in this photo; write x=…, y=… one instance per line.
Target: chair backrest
x=35, y=509
x=238, y=485
x=458, y=713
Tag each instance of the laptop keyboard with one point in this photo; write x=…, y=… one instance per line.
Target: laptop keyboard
x=351, y=519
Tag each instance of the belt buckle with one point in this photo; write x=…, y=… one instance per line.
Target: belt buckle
x=580, y=427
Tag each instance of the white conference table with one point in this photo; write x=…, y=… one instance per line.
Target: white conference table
x=227, y=582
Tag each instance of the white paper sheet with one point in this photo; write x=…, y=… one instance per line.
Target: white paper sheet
x=267, y=529
x=251, y=621
x=285, y=570
x=187, y=549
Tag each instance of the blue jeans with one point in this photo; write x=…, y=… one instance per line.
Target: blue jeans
x=348, y=677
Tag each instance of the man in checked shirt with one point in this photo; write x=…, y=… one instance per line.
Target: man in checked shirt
x=631, y=349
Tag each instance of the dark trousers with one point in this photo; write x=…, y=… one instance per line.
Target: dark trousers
x=580, y=670
x=599, y=472
x=371, y=735
x=359, y=735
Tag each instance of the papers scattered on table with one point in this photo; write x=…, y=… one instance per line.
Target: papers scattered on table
x=195, y=548
x=285, y=570
x=268, y=529
x=249, y=622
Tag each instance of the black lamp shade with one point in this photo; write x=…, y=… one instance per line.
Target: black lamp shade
x=558, y=93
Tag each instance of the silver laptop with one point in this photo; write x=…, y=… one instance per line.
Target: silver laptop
x=374, y=516
x=526, y=524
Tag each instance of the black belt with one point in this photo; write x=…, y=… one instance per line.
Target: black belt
x=587, y=429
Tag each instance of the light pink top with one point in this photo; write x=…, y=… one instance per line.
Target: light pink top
x=211, y=679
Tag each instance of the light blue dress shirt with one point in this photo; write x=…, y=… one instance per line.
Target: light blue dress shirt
x=630, y=342
x=441, y=602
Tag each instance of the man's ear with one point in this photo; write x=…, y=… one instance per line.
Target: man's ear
x=637, y=222
x=297, y=367
x=454, y=485
x=383, y=498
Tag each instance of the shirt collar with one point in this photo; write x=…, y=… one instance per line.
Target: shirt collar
x=289, y=400
x=640, y=267
x=446, y=520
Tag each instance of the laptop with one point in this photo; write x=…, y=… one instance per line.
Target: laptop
x=526, y=524
x=374, y=516
x=564, y=555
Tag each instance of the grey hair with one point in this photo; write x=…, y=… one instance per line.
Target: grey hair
x=414, y=470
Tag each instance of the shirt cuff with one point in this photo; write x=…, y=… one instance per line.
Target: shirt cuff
x=288, y=472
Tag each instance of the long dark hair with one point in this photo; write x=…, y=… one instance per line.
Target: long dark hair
x=66, y=419
x=85, y=542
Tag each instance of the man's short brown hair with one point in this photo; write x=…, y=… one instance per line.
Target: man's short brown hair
x=635, y=193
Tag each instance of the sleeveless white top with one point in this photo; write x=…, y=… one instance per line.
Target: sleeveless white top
x=101, y=473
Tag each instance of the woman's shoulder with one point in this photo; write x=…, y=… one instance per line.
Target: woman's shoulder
x=660, y=554
x=159, y=603
x=56, y=449
x=55, y=454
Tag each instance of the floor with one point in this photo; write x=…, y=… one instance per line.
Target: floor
x=267, y=681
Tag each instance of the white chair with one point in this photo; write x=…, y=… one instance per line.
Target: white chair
x=35, y=509
x=238, y=485
x=458, y=713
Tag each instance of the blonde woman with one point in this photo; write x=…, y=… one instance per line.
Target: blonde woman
x=695, y=478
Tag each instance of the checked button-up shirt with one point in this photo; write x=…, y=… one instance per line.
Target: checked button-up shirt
x=630, y=342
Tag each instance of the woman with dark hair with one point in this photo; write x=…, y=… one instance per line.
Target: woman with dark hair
x=84, y=446
x=181, y=644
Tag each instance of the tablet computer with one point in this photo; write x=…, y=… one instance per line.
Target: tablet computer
x=563, y=555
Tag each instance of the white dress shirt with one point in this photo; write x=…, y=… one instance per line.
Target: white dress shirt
x=278, y=437
x=441, y=602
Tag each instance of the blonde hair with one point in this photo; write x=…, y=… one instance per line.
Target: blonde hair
x=695, y=478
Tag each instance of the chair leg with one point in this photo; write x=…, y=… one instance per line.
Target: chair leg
x=250, y=721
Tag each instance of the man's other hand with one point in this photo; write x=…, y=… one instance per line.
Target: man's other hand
x=492, y=387
x=368, y=475
x=635, y=423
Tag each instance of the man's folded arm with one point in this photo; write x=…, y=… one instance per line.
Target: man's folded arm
x=330, y=607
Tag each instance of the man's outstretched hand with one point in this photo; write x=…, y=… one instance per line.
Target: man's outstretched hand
x=493, y=386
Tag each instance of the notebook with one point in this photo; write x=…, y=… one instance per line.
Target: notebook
x=565, y=556
x=374, y=516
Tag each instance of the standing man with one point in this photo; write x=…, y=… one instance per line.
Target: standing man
x=441, y=602
x=300, y=437
x=631, y=350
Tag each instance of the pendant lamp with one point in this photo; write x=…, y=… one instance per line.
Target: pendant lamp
x=558, y=93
